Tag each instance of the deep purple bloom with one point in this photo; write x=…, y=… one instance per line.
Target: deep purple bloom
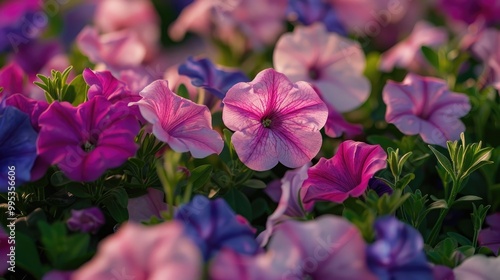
x=33, y=56
x=469, y=11
x=490, y=237
x=33, y=108
x=213, y=225
x=379, y=186
x=215, y=79
x=17, y=146
x=308, y=12
x=86, y=220
x=4, y=250
x=58, y=275
x=20, y=22
x=87, y=140
x=397, y=252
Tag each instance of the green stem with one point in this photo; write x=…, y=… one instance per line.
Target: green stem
x=449, y=203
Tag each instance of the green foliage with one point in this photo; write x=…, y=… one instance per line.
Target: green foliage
x=56, y=87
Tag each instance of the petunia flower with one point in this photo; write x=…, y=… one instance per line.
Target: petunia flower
x=4, y=250
x=379, y=186
x=469, y=11
x=407, y=53
x=425, y=106
x=345, y=174
x=87, y=140
x=398, y=251
x=490, y=237
x=337, y=126
x=86, y=220
x=58, y=275
x=143, y=208
x=288, y=198
x=11, y=79
x=485, y=47
x=213, y=225
x=216, y=80
x=478, y=267
x=144, y=252
x=34, y=108
x=332, y=64
x=179, y=122
x=17, y=146
x=327, y=248
x=308, y=12
x=274, y=121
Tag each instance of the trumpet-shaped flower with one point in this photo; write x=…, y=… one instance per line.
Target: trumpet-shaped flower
x=346, y=174
x=11, y=79
x=179, y=122
x=87, y=140
x=86, y=220
x=275, y=121
x=215, y=80
x=478, y=267
x=332, y=64
x=213, y=225
x=139, y=252
x=17, y=147
x=398, y=251
x=425, y=106
x=327, y=248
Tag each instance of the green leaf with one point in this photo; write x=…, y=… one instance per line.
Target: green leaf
x=383, y=141
x=58, y=179
x=117, y=212
x=119, y=195
x=403, y=182
x=443, y=161
x=467, y=250
x=182, y=91
x=239, y=203
x=431, y=56
x=77, y=91
x=27, y=256
x=200, y=176
x=259, y=207
x=440, y=204
x=462, y=240
x=255, y=184
x=78, y=190
x=468, y=198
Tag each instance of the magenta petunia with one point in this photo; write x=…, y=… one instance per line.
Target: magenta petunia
x=11, y=79
x=490, y=237
x=327, y=248
x=425, y=106
x=337, y=126
x=179, y=122
x=87, y=140
x=333, y=64
x=345, y=174
x=139, y=252
x=34, y=108
x=274, y=121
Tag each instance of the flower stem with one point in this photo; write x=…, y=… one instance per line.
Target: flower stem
x=449, y=203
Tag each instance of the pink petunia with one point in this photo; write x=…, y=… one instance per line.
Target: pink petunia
x=87, y=140
x=288, y=198
x=143, y=208
x=326, y=248
x=274, y=121
x=144, y=253
x=425, y=106
x=11, y=79
x=333, y=64
x=179, y=122
x=486, y=47
x=336, y=125
x=345, y=174
x=407, y=53
x=478, y=267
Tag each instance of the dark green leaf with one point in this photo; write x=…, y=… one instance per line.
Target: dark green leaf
x=27, y=256
x=239, y=202
x=200, y=176
x=443, y=161
x=255, y=184
x=182, y=91
x=431, y=56
x=462, y=240
x=77, y=91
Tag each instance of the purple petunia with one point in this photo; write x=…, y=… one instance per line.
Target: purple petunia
x=490, y=237
x=398, y=251
x=87, y=140
x=275, y=121
x=308, y=12
x=215, y=79
x=425, y=106
x=86, y=220
x=213, y=225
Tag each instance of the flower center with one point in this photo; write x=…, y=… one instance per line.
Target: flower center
x=266, y=122
x=313, y=73
x=88, y=147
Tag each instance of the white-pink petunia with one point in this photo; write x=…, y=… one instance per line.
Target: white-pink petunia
x=144, y=253
x=407, y=53
x=425, y=106
x=327, y=248
x=478, y=267
x=487, y=48
x=179, y=122
x=333, y=64
x=274, y=121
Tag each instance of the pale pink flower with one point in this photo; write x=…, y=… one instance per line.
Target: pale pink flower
x=274, y=121
x=143, y=208
x=487, y=48
x=179, y=122
x=144, y=253
x=115, y=49
x=327, y=248
x=333, y=64
x=407, y=53
x=478, y=267
x=425, y=106
x=345, y=174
